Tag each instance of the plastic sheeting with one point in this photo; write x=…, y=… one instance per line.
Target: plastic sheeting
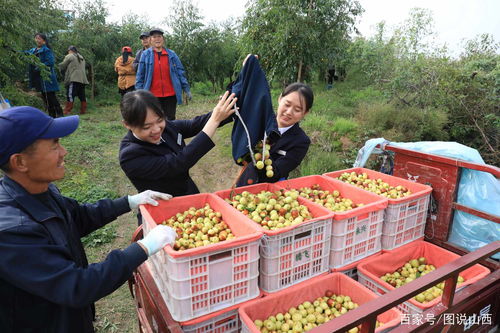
x=477, y=189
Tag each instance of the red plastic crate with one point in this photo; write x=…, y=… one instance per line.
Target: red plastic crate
x=405, y=218
x=370, y=271
x=308, y=291
x=356, y=233
x=292, y=254
x=205, y=279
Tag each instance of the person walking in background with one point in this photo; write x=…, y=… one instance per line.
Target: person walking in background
x=75, y=79
x=145, y=40
x=125, y=70
x=47, y=88
x=161, y=72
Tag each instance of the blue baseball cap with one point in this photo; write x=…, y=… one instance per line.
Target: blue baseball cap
x=20, y=126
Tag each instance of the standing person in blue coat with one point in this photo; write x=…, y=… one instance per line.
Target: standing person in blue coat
x=154, y=155
x=46, y=283
x=161, y=72
x=288, y=151
x=47, y=88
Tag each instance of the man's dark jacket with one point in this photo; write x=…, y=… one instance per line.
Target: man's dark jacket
x=165, y=167
x=46, y=284
x=286, y=153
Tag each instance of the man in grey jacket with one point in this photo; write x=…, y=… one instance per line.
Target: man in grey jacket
x=145, y=40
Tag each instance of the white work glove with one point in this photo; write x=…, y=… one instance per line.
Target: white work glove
x=147, y=197
x=189, y=96
x=159, y=237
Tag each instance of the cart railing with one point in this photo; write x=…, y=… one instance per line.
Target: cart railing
x=452, y=301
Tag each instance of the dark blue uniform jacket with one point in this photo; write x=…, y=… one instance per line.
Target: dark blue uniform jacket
x=46, y=284
x=287, y=153
x=165, y=167
x=255, y=107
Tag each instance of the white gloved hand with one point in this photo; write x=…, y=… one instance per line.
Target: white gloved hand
x=159, y=237
x=147, y=197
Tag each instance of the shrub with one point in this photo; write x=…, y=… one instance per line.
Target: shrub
x=344, y=126
x=398, y=123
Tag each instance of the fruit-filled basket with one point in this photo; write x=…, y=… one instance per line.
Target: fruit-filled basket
x=296, y=241
x=214, y=263
x=408, y=201
x=407, y=263
x=310, y=304
x=358, y=216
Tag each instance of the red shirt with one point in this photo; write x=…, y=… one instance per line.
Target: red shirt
x=161, y=85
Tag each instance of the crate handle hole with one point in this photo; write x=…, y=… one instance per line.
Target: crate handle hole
x=302, y=234
x=220, y=255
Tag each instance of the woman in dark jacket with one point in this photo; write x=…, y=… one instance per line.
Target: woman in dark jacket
x=289, y=150
x=154, y=155
x=47, y=88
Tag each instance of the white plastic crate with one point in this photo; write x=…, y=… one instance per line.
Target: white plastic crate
x=355, y=238
x=294, y=256
x=404, y=222
x=227, y=322
x=198, y=285
x=405, y=307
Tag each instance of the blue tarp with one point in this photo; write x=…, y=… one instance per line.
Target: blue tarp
x=477, y=189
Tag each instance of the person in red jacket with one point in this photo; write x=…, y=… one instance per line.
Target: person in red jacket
x=161, y=72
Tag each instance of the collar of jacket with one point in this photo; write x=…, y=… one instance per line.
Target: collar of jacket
x=32, y=206
x=43, y=48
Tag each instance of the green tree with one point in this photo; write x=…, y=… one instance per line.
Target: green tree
x=295, y=36
x=17, y=36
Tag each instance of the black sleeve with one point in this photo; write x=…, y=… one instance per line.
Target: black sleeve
x=138, y=163
x=30, y=262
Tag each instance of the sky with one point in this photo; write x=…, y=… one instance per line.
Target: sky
x=454, y=20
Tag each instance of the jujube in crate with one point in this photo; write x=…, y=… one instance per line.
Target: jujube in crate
x=412, y=270
x=377, y=186
x=272, y=210
x=328, y=199
x=308, y=315
x=198, y=227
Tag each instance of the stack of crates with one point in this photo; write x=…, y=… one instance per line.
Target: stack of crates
x=292, y=254
x=405, y=217
x=206, y=279
x=355, y=233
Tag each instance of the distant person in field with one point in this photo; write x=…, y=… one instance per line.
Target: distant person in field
x=145, y=40
x=46, y=282
x=154, y=154
x=75, y=79
x=161, y=72
x=50, y=86
x=125, y=70
x=294, y=103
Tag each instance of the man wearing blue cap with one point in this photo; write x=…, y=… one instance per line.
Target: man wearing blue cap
x=46, y=283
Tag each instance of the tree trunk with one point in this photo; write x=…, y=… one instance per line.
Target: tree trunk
x=299, y=74
x=92, y=80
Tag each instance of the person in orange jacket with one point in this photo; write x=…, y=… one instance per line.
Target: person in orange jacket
x=125, y=70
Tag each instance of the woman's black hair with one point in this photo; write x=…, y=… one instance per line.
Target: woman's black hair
x=125, y=57
x=73, y=49
x=134, y=107
x=304, y=91
x=44, y=37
